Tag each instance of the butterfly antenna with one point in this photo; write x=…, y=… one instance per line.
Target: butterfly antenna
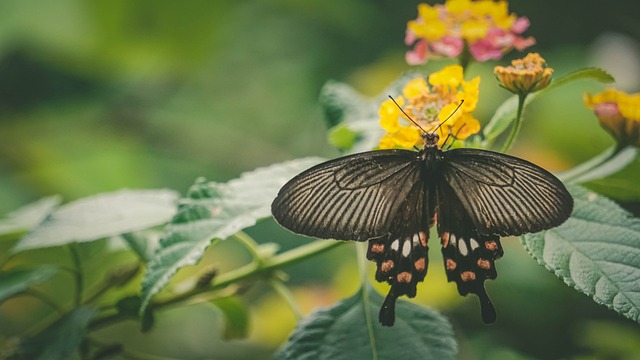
x=455, y=137
x=448, y=117
x=407, y=115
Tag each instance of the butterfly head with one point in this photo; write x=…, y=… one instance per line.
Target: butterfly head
x=430, y=140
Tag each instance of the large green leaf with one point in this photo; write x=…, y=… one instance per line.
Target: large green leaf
x=27, y=217
x=597, y=251
x=16, y=281
x=103, y=215
x=215, y=211
x=61, y=340
x=350, y=330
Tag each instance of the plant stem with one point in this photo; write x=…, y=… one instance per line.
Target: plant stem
x=77, y=273
x=45, y=299
x=249, y=243
x=288, y=297
x=365, y=289
x=516, y=125
x=253, y=269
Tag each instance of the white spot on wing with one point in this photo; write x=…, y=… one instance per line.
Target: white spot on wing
x=395, y=245
x=406, y=248
x=462, y=248
x=474, y=244
x=416, y=239
x=452, y=240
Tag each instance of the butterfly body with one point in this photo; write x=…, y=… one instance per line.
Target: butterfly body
x=391, y=198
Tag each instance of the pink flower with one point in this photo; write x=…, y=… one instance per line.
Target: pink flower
x=520, y=25
x=419, y=53
x=483, y=50
x=448, y=46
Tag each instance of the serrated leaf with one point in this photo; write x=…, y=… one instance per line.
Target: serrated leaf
x=215, y=211
x=143, y=243
x=16, y=281
x=62, y=339
x=103, y=215
x=236, y=317
x=343, y=332
x=597, y=251
x=27, y=217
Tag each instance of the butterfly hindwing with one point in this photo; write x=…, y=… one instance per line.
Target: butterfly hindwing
x=505, y=195
x=468, y=256
x=358, y=197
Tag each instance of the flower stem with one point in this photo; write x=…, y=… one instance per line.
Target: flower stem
x=516, y=125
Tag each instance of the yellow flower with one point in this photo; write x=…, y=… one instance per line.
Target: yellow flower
x=450, y=76
x=525, y=75
x=618, y=113
x=429, y=104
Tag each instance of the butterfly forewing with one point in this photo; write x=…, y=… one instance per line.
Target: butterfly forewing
x=505, y=195
x=356, y=197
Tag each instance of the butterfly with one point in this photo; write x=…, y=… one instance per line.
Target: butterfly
x=391, y=198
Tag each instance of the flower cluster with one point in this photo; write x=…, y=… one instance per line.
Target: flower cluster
x=484, y=27
x=525, y=75
x=429, y=104
x=618, y=113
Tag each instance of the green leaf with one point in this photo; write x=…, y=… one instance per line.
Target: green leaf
x=341, y=103
x=350, y=330
x=342, y=137
x=503, y=117
x=609, y=162
x=27, y=217
x=16, y=281
x=596, y=74
x=143, y=243
x=215, y=211
x=506, y=112
x=236, y=317
x=100, y=216
x=597, y=251
x=62, y=339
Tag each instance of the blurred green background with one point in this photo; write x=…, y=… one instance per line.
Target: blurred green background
x=101, y=95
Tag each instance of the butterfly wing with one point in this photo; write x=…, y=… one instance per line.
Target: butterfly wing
x=357, y=197
x=505, y=195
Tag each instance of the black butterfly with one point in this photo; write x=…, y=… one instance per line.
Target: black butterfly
x=391, y=198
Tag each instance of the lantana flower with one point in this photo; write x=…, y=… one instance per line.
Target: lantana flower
x=525, y=75
x=429, y=103
x=618, y=113
x=484, y=27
